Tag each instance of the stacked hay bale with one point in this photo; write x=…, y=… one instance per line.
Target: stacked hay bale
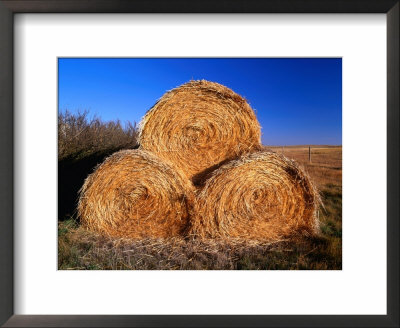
x=198, y=126
x=200, y=170
x=259, y=196
x=134, y=194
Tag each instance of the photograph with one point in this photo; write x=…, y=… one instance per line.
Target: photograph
x=213, y=164
x=199, y=163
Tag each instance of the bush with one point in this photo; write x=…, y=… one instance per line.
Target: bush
x=80, y=136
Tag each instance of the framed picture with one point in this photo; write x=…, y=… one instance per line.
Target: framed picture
x=225, y=228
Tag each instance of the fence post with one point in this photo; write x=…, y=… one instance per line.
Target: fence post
x=309, y=154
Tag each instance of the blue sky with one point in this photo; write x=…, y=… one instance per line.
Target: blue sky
x=297, y=100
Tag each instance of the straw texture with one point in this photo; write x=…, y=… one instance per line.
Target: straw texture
x=262, y=196
x=198, y=126
x=134, y=194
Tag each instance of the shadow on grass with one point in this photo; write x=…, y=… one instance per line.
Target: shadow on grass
x=72, y=172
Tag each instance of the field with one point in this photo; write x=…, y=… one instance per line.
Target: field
x=325, y=166
x=83, y=143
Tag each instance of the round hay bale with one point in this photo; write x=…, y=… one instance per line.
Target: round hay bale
x=198, y=126
x=262, y=196
x=134, y=194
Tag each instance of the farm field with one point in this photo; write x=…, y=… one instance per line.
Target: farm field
x=79, y=249
x=325, y=167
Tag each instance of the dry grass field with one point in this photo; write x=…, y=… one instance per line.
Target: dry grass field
x=79, y=249
x=325, y=167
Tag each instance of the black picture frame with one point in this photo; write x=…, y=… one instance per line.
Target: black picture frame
x=7, y=10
